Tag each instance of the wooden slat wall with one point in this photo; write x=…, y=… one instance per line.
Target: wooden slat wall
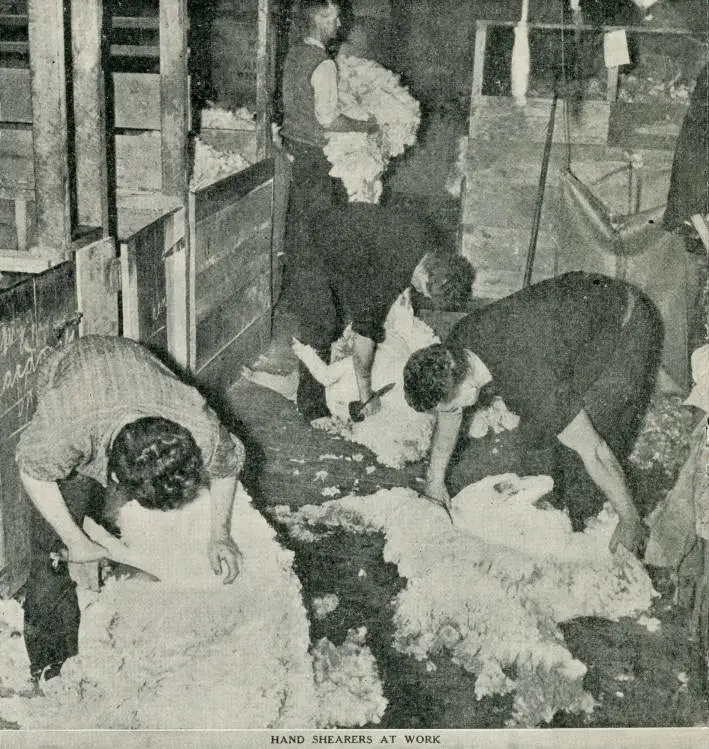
x=30, y=312
x=231, y=247
x=137, y=162
x=147, y=284
x=150, y=274
x=137, y=98
x=138, y=154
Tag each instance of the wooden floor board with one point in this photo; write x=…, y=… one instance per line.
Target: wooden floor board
x=286, y=455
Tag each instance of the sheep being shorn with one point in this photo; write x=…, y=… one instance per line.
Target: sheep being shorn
x=397, y=434
x=189, y=652
x=491, y=590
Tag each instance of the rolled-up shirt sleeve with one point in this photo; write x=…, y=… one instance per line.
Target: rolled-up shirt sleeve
x=51, y=452
x=228, y=456
x=324, y=83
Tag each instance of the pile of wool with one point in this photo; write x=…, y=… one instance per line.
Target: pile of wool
x=359, y=161
x=189, y=652
x=211, y=164
x=347, y=681
x=396, y=434
x=496, y=417
x=226, y=119
x=324, y=605
x=14, y=677
x=367, y=88
x=491, y=590
x=664, y=438
x=657, y=77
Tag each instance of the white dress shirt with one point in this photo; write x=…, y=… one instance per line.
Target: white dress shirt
x=324, y=83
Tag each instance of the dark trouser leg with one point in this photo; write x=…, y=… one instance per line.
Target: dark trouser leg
x=312, y=191
x=51, y=609
x=310, y=398
x=697, y=296
x=319, y=325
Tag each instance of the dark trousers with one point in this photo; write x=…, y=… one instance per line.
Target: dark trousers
x=306, y=288
x=320, y=323
x=615, y=404
x=51, y=608
x=312, y=190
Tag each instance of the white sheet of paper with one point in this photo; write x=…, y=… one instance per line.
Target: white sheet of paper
x=615, y=49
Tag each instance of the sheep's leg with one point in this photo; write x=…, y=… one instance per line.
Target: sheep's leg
x=325, y=374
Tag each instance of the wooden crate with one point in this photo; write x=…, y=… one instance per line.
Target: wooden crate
x=151, y=238
x=505, y=149
x=35, y=313
x=231, y=271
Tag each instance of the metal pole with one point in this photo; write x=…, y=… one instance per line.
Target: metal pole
x=540, y=194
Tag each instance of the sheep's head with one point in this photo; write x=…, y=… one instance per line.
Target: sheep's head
x=524, y=489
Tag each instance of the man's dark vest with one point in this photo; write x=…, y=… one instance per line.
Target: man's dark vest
x=299, y=121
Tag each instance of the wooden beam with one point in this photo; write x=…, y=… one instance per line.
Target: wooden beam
x=174, y=96
x=87, y=24
x=612, y=85
x=670, y=30
x=263, y=81
x=478, y=66
x=21, y=222
x=12, y=261
x=118, y=22
x=190, y=274
x=49, y=123
x=117, y=50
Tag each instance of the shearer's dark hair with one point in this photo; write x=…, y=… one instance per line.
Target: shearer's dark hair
x=433, y=374
x=450, y=280
x=157, y=463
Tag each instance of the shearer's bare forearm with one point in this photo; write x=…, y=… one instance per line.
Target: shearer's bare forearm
x=600, y=463
x=344, y=124
x=222, y=492
x=48, y=500
x=444, y=440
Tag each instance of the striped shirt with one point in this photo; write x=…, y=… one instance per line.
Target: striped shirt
x=89, y=390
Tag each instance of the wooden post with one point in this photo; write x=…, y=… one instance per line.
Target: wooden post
x=174, y=97
x=263, y=78
x=190, y=274
x=612, y=85
x=478, y=68
x=97, y=288
x=21, y=222
x=90, y=113
x=177, y=287
x=129, y=290
x=49, y=123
